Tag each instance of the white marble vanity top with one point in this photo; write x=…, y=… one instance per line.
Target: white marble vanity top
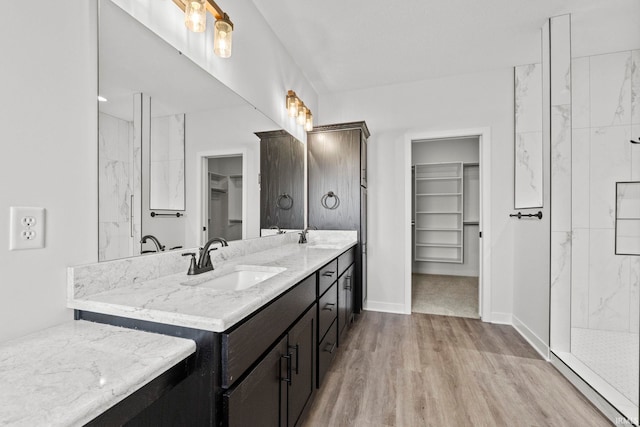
x=174, y=298
x=69, y=374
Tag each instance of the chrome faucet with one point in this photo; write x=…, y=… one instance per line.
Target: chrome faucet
x=155, y=241
x=204, y=260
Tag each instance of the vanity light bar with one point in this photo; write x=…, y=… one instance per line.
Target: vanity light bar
x=195, y=20
x=299, y=111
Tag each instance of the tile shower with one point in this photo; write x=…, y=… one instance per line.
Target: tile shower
x=593, y=116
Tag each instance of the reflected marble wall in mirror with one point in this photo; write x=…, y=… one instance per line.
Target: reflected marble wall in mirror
x=143, y=78
x=528, y=190
x=166, y=164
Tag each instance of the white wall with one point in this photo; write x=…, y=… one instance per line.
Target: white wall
x=48, y=117
x=460, y=102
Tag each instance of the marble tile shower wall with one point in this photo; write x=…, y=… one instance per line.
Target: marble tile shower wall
x=605, y=115
x=119, y=179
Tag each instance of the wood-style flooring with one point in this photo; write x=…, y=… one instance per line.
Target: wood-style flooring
x=428, y=370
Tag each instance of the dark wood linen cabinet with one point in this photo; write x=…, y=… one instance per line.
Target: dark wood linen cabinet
x=281, y=180
x=337, y=189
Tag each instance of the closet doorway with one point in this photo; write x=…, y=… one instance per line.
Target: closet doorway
x=445, y=191
x=223, y=197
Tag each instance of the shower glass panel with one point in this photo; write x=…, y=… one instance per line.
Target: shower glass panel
x=596, y=283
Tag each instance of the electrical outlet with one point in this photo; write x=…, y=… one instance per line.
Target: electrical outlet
x=27, y=228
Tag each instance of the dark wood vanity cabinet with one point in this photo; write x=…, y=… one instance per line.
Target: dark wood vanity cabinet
x=276, y=391
x=281, y=180
x=337, y=188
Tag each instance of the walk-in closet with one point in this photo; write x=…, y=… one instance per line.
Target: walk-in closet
x=445, y=220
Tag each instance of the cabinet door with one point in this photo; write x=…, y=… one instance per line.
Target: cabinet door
x=281, y=173
x=345, y=301
x=363, y=161
x=301, y=347
x=334, y=166
x=260, y=399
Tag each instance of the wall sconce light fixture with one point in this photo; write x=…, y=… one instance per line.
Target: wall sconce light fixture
x=297, y=109
x=195, y=19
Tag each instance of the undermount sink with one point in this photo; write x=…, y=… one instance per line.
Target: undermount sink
x=242, y=277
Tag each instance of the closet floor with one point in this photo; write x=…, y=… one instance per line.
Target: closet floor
x=444, y=295
x=424, y=370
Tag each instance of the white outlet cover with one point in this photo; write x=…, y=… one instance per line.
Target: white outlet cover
x=27, y=228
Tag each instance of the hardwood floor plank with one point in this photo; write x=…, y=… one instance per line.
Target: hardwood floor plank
x=427, y=370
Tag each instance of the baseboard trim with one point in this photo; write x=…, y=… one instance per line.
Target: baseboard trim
x=499, y=318
x=384, y=307
x=536, y=342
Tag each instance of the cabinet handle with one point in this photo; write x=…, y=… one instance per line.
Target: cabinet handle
x=328, y=273
x=328, y=306
x=329, y=348
x=296, y=348
x=347, y=286
x=287, y=379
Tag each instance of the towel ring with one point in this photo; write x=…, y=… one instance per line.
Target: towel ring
x=330, y=195
x=286, y=206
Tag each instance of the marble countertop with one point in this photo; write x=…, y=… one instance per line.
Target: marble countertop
x=177, y=299
x=71, y=373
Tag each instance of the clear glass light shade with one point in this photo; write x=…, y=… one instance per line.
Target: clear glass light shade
x=308, y=124
x=292, y=105
x=302, y=115
x=195, y=15
x=223, y=31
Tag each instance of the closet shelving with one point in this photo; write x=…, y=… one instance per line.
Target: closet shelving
x=439, y=212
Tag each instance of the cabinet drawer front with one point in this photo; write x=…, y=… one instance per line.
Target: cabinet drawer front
x=243, y=345
x=327, y=309
x=345, y=291
x=326, y=276
x=327, y=351
x=345, y=260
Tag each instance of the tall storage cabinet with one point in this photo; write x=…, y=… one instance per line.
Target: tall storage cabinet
x=281, y=180
x=337, y=193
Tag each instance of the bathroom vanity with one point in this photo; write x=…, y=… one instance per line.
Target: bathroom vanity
x=262, y=348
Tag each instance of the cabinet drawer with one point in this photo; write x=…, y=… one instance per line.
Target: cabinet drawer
x=327, y=309
x=326, y=276
x=327, y=351
x=345, y=260
x=245, y=343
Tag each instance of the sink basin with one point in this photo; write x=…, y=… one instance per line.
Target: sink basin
x=242, y=277
x=323, y=246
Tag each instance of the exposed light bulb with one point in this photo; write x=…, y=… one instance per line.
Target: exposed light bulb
x=222, y=37
x=302, y=115
x=308, y=124
x=195, y=16
x=292, y=104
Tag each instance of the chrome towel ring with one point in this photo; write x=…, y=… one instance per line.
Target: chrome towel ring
x=287, y=204
x=326, y=197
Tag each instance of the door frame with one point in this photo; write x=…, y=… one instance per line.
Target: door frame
x=484, y=280
x=202, y=158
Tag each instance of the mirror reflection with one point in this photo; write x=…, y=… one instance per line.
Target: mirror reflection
x=155, y=101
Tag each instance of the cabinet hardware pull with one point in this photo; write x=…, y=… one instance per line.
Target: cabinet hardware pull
x=328, y=273
x=331, y=347
x=328, y=306
x=288, y=378
x=330, y=195
x=296, y=348
x=347, y=286
x=288, y=205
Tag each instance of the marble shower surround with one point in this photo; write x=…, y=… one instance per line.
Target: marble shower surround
x=605, y=115
x=167, y=151
x=528, y=136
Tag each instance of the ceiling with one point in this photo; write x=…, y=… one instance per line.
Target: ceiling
x=346, y=45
